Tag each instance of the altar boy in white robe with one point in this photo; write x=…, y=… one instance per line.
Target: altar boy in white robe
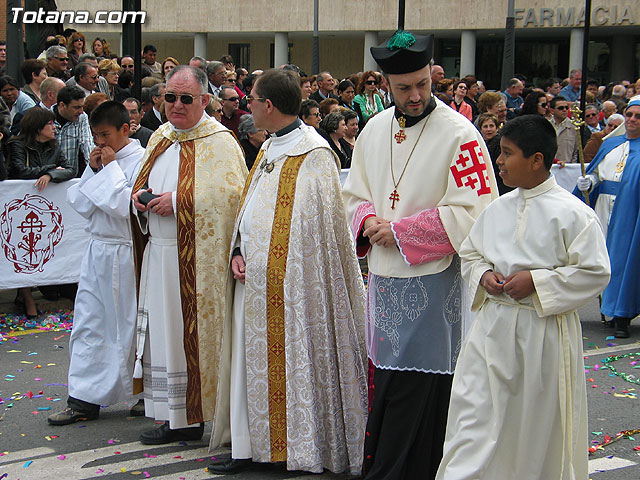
x=101, y=345
x=518, y=404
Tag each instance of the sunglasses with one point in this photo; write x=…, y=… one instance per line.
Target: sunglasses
x=589, y=115
x=127, y=66
x=631, y=115
x=562, y=107
x=62, y=59
x=371, y=82
x=219, y=110
x=185, y=98
x=232, y=99
x=543, y=105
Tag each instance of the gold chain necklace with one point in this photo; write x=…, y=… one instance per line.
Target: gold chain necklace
x=395, y=197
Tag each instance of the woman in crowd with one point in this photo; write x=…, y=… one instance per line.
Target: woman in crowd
x=75, y=48
x=18, y=102
x=92, y=101
x=110, y=71
x=458, y=103
x=333, y=125
x=329, y=105
x=101, y=49
x=310, y=113
x=535, y=103
x=488, y=126
x=445, y=86
x=351, y=121
x=305, y=87
x=214, y=109
x=34, y=154
x=34, y=72
x=346, y=94
x=367, y=98
x=493, y=102
x=314, y=84
x=251, y=139
x=169, y=64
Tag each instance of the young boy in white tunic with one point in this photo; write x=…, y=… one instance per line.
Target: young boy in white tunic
x=518, y=404
x=102, y=341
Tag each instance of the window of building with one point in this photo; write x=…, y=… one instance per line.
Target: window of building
x=241, y=54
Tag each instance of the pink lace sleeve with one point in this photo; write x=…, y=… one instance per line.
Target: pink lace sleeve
x=422, y=238
x=364, y=211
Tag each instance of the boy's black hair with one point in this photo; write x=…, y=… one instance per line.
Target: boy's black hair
x=110, y=113
x=532, y=134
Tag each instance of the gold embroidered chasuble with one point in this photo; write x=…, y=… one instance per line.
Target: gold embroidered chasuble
x=211, y=176
x=304, y=316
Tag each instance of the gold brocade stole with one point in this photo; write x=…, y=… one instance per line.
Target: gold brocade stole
x=185, y=217
x=276, y=269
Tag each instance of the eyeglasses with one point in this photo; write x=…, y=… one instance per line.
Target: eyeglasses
x=219, y=110
x=543, y=105
x=317, y=114
x=371, y=82
x=94, y=77
x=251, y=98
x=631, y=115
x=589, y=115
x=62, y=59
x=185, y=98
x=232, y=99
x=562, y=107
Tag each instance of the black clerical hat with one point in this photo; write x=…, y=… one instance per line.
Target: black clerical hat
x=404, y=52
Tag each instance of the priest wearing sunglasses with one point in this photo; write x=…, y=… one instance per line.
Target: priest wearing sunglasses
x=185, y=200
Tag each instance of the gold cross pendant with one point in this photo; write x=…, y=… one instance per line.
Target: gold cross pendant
x=401, y=136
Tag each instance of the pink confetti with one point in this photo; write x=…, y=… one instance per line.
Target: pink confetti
x=100, y=470
x=146, y=474
x=62, y=457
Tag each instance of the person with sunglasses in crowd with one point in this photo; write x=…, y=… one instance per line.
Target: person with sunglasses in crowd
x=231, y=112
x=612, y=183
x=535, y=103
x=565, y=131
x=368, y=102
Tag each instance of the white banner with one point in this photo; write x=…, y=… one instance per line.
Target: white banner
x=568, y=175
x=41, y=236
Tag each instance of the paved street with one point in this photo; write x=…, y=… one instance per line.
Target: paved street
x=34, y=366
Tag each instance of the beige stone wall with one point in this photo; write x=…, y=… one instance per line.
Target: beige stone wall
x=342, y=15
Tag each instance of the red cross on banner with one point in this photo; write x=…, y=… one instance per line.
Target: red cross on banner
x=470, y=169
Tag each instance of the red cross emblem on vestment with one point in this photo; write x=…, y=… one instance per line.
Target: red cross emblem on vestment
x=470, y=170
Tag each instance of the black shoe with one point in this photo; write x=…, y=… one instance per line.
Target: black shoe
x=229, y=466
x=622, y=327
x=164, y=434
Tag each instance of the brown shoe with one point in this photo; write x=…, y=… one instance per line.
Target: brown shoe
x=69, y=416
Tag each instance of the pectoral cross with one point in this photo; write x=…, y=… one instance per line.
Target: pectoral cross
x=394, y=197
x=401, y=136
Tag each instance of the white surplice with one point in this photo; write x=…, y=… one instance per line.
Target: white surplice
x=102, y=341
x=518, y=404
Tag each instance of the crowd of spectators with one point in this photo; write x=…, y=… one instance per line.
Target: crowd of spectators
x=69, y=79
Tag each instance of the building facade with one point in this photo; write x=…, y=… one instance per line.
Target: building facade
x=469, y=35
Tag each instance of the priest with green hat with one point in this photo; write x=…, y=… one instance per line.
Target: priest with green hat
x=419, y=178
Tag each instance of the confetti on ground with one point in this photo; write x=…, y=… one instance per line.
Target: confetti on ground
x=610, y=338
x=608, y=440
x=54, y=321
x=27, y=464
x=62, y=457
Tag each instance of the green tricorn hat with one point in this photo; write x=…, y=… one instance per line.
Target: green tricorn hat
x=404, y=52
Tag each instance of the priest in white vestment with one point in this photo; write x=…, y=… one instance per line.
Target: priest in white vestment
x=297, y=390
x=534, y=256
x=196, y=168
x=101, y=347
x=420, y=175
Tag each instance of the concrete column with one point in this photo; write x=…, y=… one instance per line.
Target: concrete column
x=200, y=45
x=281, y=49
x=467, y=53
x=575, y=49
x=621, y=58
x=370, y=40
